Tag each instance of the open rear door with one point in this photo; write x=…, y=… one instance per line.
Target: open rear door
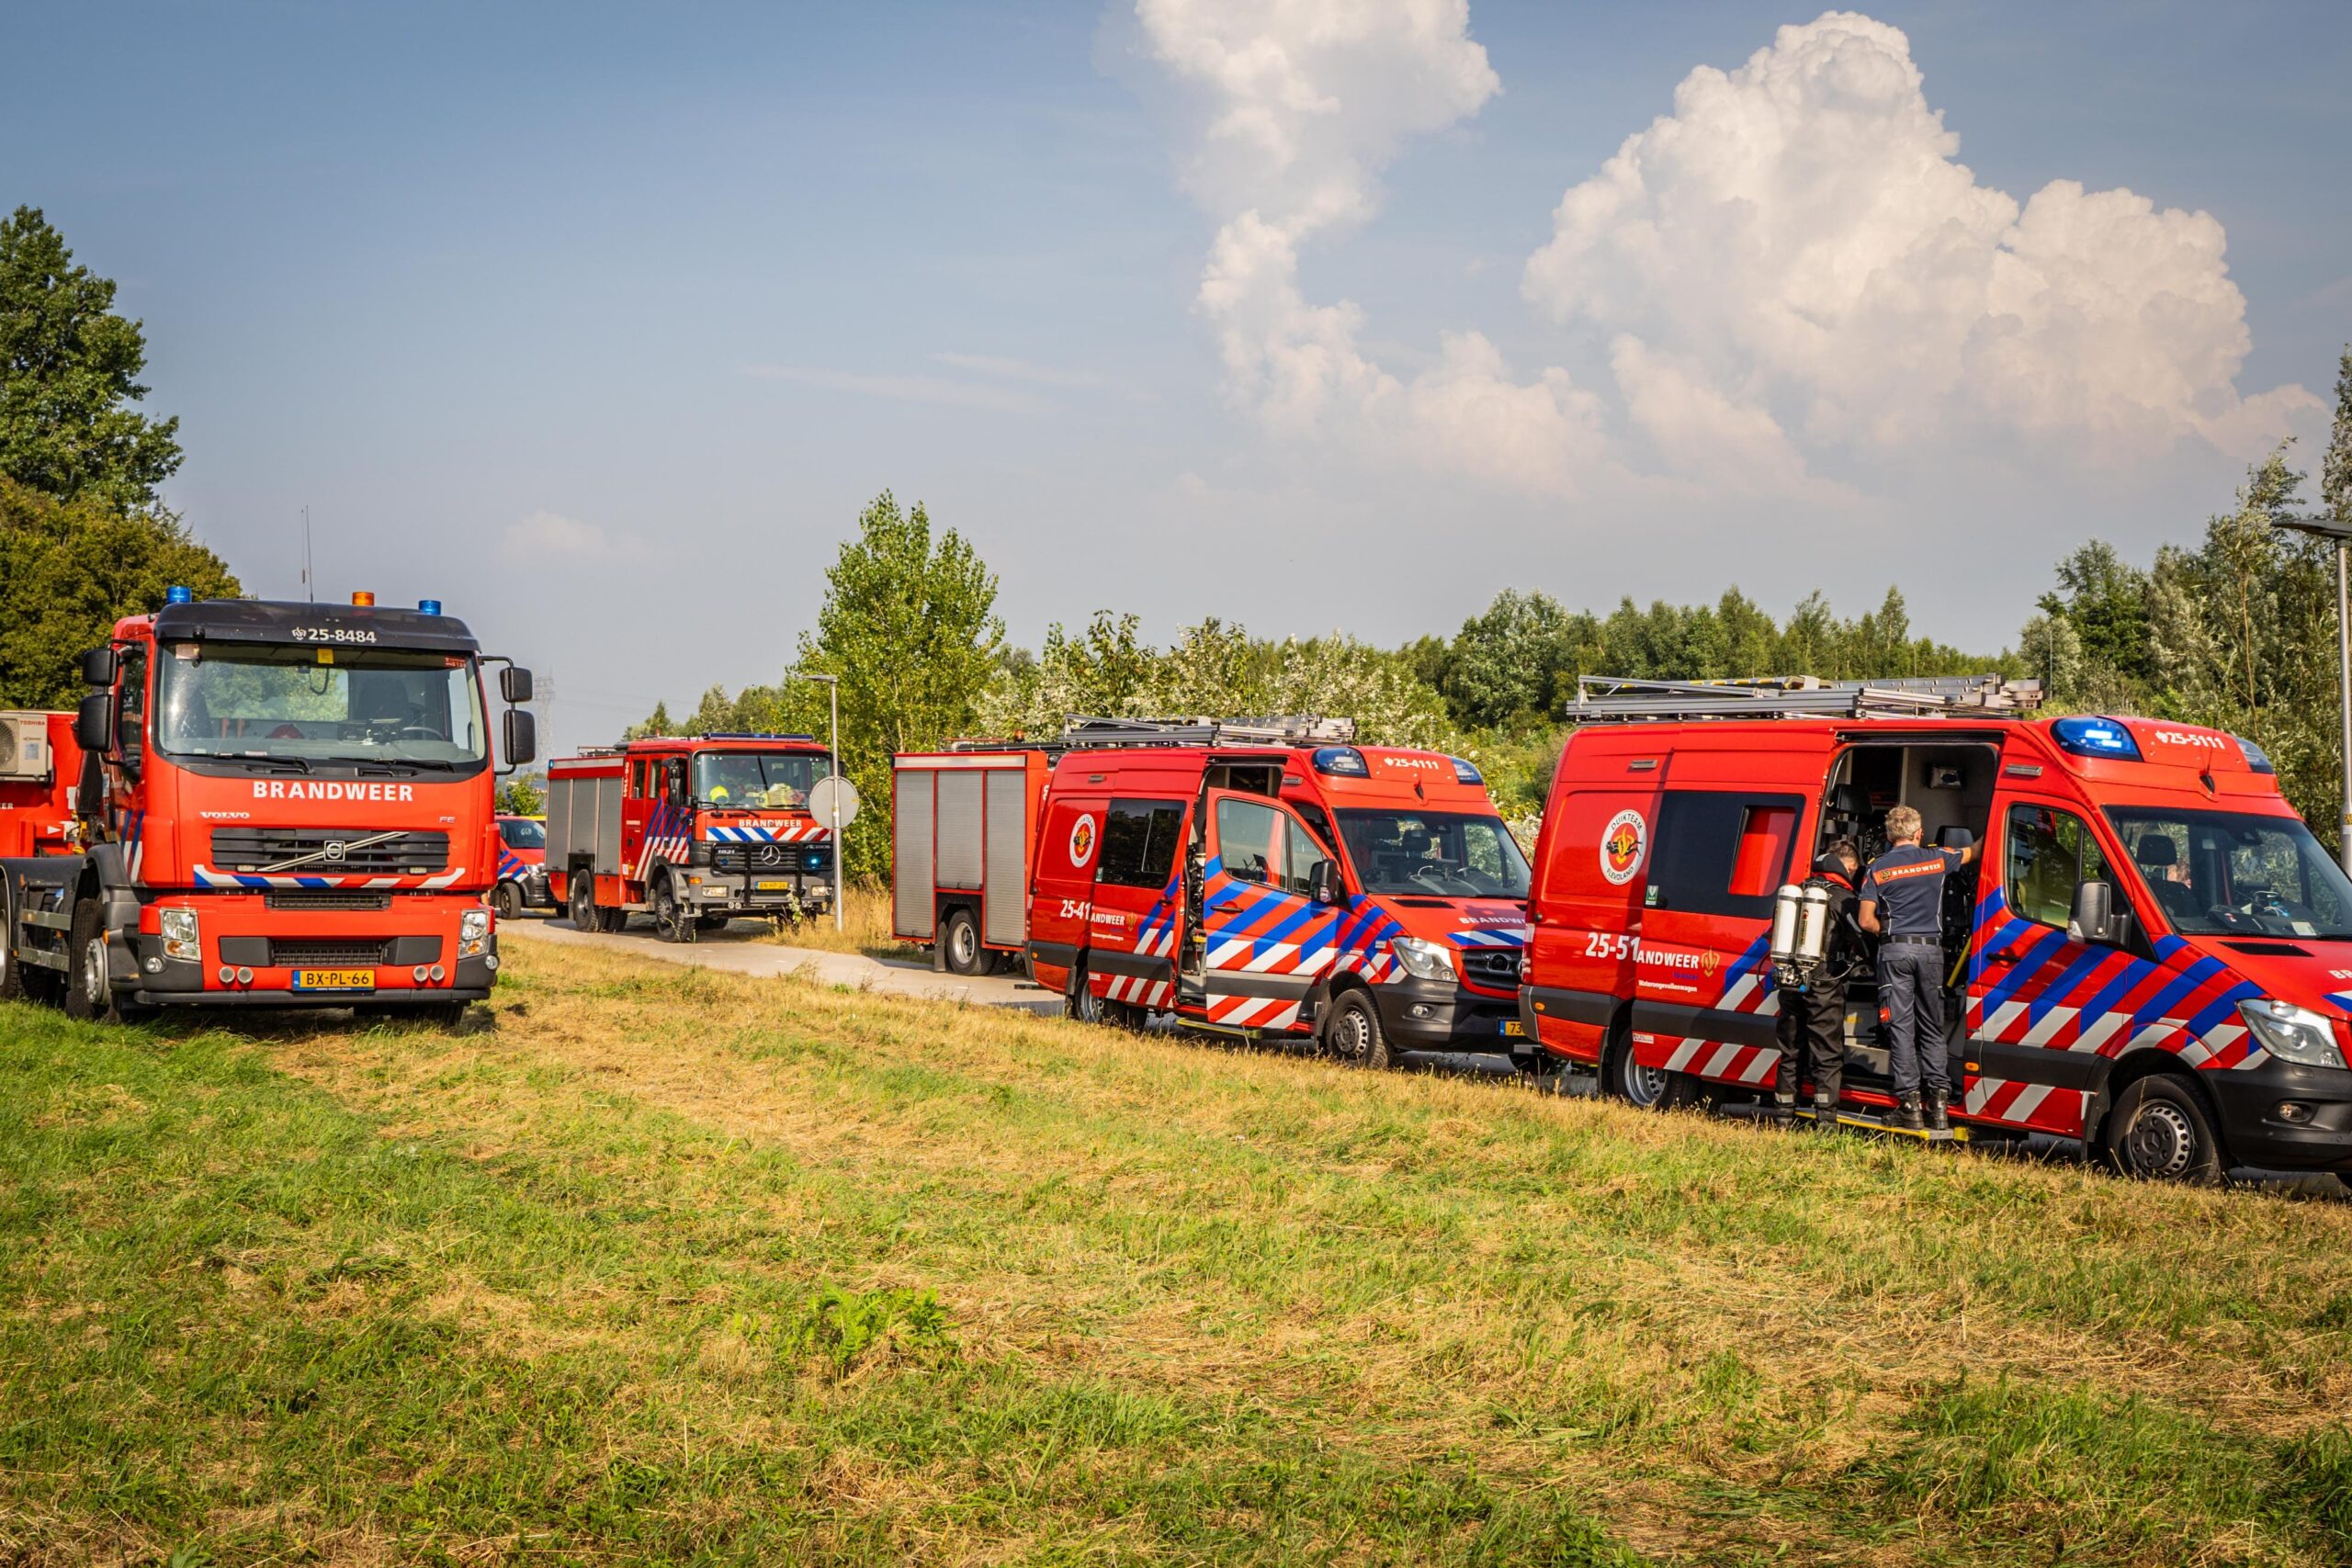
x=1586, y=916
x=1138, y=903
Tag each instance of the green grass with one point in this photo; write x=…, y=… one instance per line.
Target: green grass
x=656, y=1264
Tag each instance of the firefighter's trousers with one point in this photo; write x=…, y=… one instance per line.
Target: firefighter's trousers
x=1911, y=990
x=1813, y=1024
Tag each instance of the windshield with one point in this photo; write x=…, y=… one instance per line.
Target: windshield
x=522, y=833
x=1443, y=854
x=2233, y=874
x=250, y=700
x=778, y=780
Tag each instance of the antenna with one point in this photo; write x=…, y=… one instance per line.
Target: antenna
x=309, y=587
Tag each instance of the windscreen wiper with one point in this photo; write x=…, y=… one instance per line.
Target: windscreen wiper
x=270, y=760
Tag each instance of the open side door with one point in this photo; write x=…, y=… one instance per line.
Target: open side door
x=1585, y=917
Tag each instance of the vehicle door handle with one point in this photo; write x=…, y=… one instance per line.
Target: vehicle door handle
x=2003, y=956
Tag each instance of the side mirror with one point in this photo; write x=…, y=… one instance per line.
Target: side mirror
x=94, y=720
x=514, y=685
x=673, y=779
x=2093, y=917
x=98, y=667
x=1323, y=881
x=522, y=738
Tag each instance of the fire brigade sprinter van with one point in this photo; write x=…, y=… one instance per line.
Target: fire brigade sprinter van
x=1261, y=879
x=2151, y=953
x=275, y=804
x=693, y=830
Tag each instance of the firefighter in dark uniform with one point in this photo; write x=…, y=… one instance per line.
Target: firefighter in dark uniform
x=1903, y=901
x=1812, y=1009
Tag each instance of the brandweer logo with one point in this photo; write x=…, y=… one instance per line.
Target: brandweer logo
x=1622, y=843
x=1081, y=839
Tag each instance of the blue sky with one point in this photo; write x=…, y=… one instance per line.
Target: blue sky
x=601, y=323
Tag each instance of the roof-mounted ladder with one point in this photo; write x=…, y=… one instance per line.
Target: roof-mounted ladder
x=1080, y=732
x=1602, y=699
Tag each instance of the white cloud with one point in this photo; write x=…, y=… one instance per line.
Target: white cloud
x=545, y=534
x=906, y=389
x=1799, y=235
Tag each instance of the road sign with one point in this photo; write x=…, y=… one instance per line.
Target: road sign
x=820, y=801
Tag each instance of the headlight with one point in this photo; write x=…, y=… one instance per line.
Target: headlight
x=473, y=933
x=179, y=934
x=2292, y=1033
x=1422, y=960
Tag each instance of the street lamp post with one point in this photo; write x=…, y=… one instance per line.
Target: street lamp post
x=2340, y=535
x=832, y=684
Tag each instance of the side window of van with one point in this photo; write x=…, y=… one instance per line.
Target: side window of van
x=1723, y=853
x=1250, y=841
x=1301, y=853
x=2050, y=852
x=1139, y=843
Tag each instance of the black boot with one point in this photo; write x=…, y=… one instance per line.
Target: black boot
x=1783, y=1111
x=1907, y=1114
x=1825, y=1113
x=1938, y=1111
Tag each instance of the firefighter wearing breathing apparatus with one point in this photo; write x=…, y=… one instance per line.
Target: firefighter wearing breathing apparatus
x=1813, y=951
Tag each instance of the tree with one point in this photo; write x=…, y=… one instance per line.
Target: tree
x=69, y=369
x=908, y=624
x=1506, y=664
x=69, y=570
x=525, y=794
x=2335, y=466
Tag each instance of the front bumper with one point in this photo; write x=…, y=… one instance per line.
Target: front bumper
x=240, y=933
x=717, y=891
x=2258, y=1134
x=1441, y=1015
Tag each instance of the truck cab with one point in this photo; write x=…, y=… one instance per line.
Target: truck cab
x=276, y=804
x=2151, y=954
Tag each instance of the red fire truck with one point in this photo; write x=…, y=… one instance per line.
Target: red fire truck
x=39, y=766
x=274, y=804
x=522, y=867
x=1265, y=878
x=2152, y=953
x=693, y=830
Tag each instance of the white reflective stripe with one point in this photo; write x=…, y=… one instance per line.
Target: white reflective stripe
x=1682, y=1054
x=1761, y=1067
x=1217, y=956
x=2052, y=1022
x=1316, y=961
x=1270, y=957
x=1770, y=1005
x=2193, y=1051
x=1739, y=992
x=1982, y=1091
x=2101, y=1030
x=1719, y=1061
x=2010, y=1012
x=2024, y=1105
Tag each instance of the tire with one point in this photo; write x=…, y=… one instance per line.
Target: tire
x=1352, y=1034
x=1648, y=1088
x=710, y=922
x=506, y=900
x=1082, y=1003
x=12, y=974
x=582, y=902
x=959, y=942
x=2159, y=1132
x=444, y=1016
x=671, y=923
x=87, y=994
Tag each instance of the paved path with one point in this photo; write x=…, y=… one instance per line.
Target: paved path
x=745, y=952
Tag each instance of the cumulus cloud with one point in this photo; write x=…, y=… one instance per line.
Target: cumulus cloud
x=544, y=536
x=1300, y=104
x=1799, y=235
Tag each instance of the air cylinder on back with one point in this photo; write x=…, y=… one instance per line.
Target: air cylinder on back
x=1785, y=905
x=1812, y=924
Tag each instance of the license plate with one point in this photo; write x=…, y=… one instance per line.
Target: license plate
x=774, y=886
x=1514, y=1028
x=335, y=979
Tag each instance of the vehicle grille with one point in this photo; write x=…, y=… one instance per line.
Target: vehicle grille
x=254, y=849
x=1494, y=966
x=326, y=899
x=775, y=858
x=317, y=954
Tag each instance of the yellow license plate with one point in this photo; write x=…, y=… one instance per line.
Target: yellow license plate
x=773, y=887
x=335, y=979
x=1514, y=1027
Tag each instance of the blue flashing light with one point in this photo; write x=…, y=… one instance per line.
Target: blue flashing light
x=429, y=607
x=1341, y=760
x=2256, y=758
x=177, y=594
x=2090, y=736
x=756, y=735
x=1464, y=771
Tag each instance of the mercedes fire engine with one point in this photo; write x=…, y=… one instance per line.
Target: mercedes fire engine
x=273, y=804
x=2153, y=954
x=693, y=830
x=1260, y=877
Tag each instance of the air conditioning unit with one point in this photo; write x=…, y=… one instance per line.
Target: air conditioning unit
x=24, y=746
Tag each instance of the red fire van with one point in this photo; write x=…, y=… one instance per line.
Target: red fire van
x=2152, y=953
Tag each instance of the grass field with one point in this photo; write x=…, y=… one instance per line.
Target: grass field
x=649, y=1263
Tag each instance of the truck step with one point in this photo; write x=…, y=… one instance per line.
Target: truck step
x=62, y=921
x=1866, y=1122
x=40, y=959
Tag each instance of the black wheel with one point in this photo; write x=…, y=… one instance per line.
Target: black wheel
x=506, y=899
x=710, y=922
x=1353, y=1036
x=1648, y=1088
x=1082, y=1003
x=960, y=939
x=88, y=995
x=582, y=903
x=12, y=977
x=2159, y=1132
x=670, y=922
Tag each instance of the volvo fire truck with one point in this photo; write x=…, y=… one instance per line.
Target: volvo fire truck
x=1265, y=878
x=691, y=830
x=2152, y=954
x=271, y=804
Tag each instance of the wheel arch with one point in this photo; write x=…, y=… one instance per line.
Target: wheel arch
x=2159, y=1058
